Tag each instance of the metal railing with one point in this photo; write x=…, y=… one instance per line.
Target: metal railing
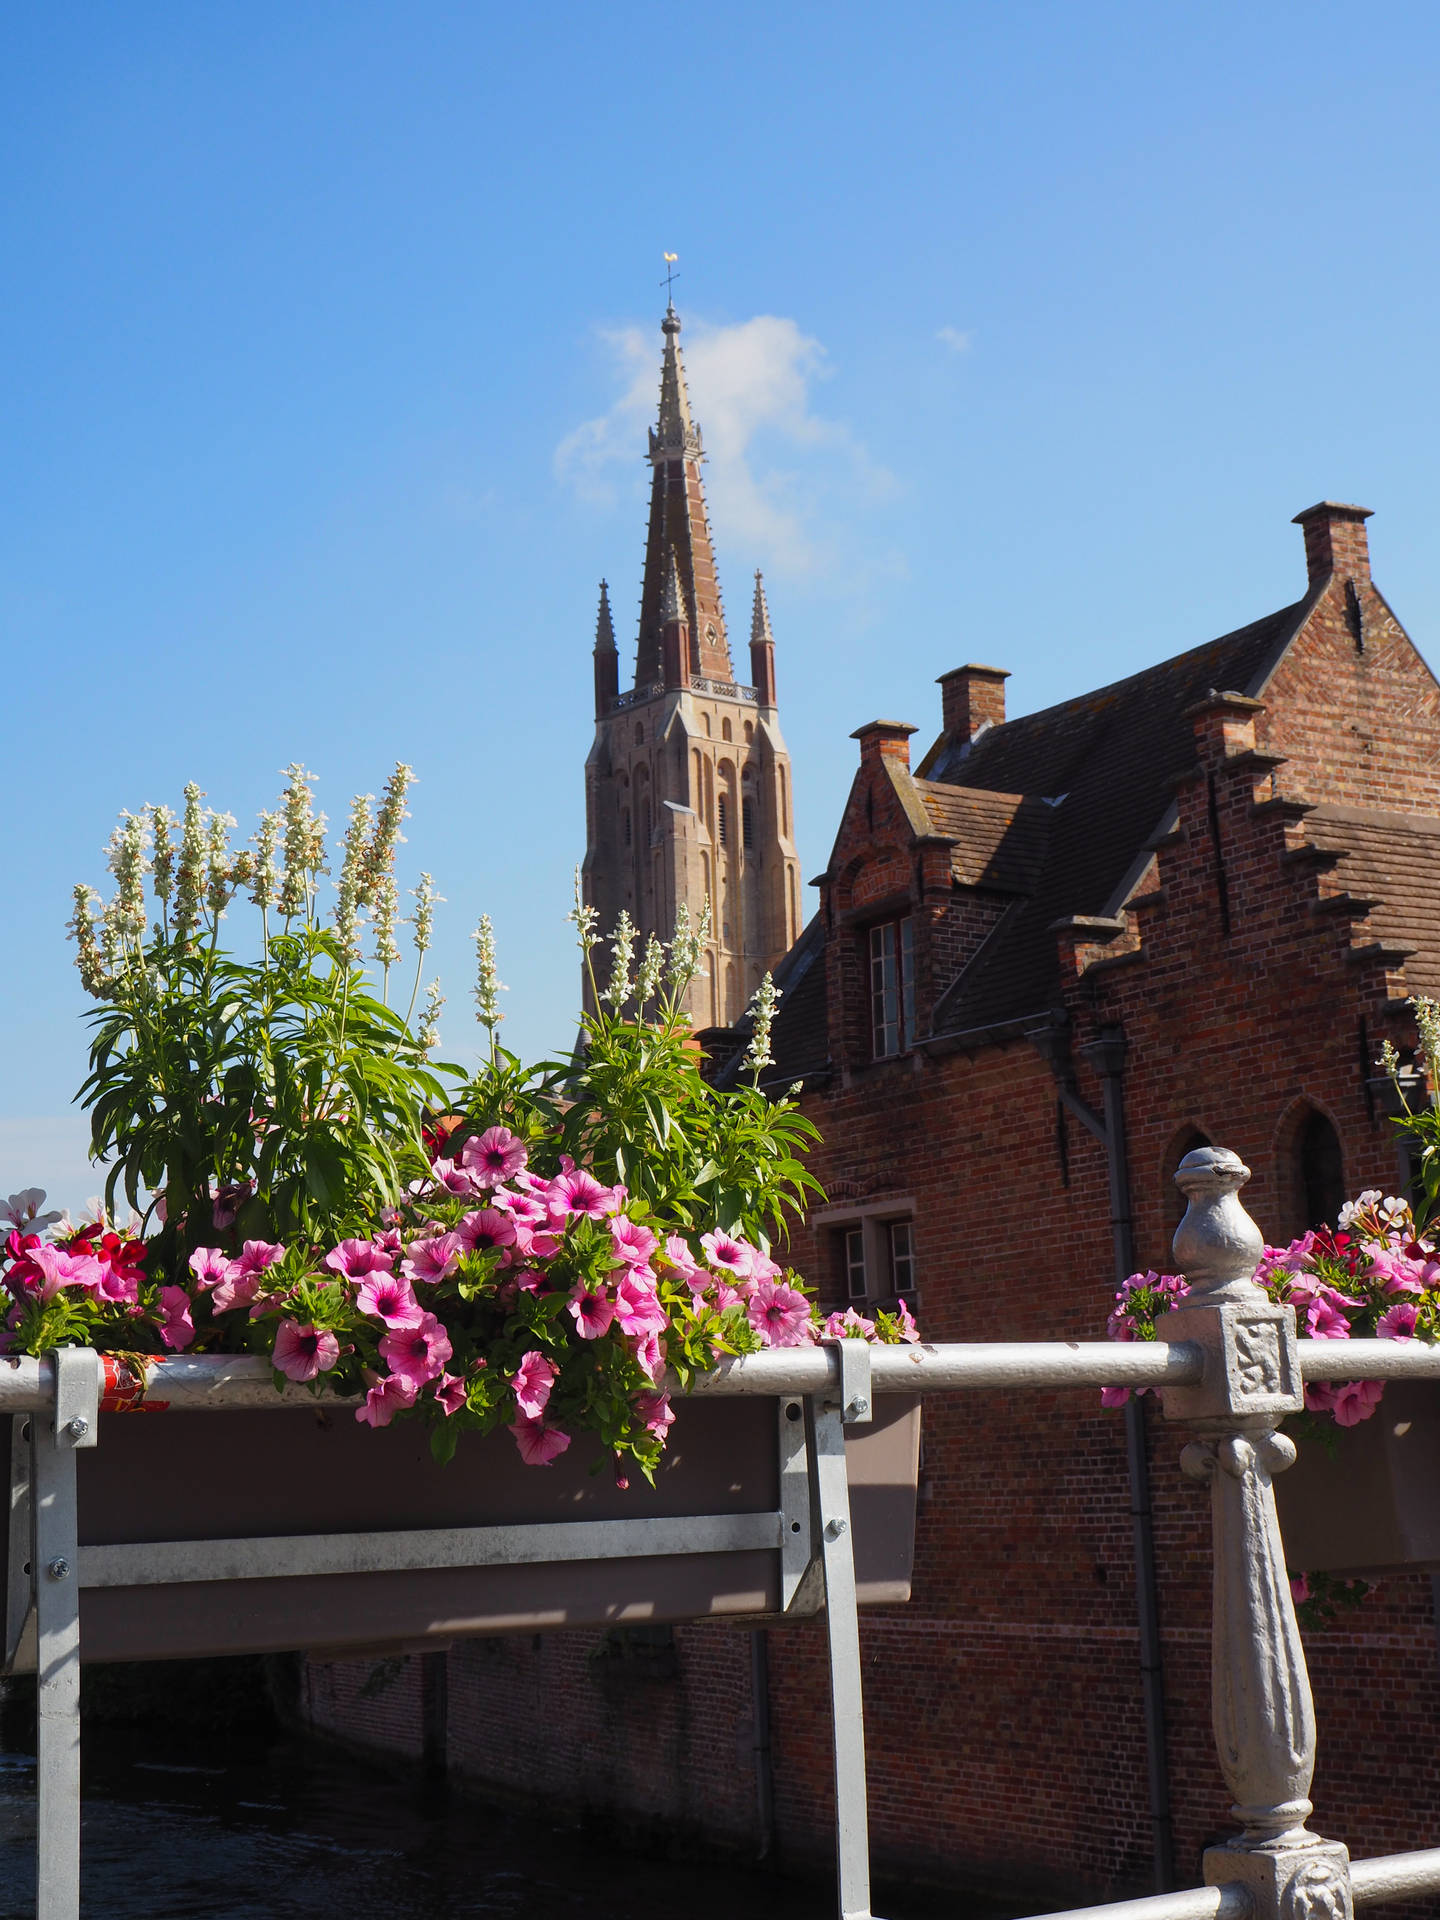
x=1229, y=1369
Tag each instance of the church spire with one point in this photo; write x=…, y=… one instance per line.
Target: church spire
x=607, y=661
x=762, y=647
x=679, y=527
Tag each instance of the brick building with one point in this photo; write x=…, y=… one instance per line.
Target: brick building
x=1049, y=959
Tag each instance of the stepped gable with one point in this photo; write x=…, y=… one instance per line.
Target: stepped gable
x=1392, y=859
x=1104, y=766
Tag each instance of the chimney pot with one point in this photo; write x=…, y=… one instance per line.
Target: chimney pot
x=1335, y=540
x=884, y=740
x=972, y=697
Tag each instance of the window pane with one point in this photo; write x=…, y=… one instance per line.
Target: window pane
x=747, y=822
x=902, y=1256
x=884, y=991
x=907, y=981
x=723, y=812
x=855, y=1262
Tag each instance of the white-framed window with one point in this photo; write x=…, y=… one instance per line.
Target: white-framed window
x=872, y=1251
x=892, y=986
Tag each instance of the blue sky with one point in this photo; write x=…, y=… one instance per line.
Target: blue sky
x=1017, y=331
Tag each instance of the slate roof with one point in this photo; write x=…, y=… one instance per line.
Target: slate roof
x=1393, y=859
x=1108, y=761
x=1056, y=807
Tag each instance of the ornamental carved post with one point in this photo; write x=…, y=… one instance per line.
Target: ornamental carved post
x=1263, y=1712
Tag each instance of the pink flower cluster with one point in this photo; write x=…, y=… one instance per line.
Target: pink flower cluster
x=1370, y=1278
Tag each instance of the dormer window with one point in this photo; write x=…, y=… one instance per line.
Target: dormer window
x=892, y=986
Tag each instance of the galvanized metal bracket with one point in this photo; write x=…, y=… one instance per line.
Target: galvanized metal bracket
x=857, y=1396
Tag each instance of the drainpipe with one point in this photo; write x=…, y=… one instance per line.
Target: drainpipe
x=1107, y=1056
x=760, y=1741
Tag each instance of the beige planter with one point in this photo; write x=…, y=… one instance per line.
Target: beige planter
x=1373, y=1508
x=239, y=1476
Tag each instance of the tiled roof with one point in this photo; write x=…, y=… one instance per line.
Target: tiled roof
x=999, y=838
x=1107, y=760
x=1394, y=860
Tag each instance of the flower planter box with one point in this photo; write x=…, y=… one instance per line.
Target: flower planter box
x=1374, y=1507
x=227, y=1477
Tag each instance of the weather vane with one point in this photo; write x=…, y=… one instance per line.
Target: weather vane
x=670, y=276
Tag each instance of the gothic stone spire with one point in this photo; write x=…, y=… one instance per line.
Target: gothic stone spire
x=762, y=647
x=607, y=661
x=679, y=524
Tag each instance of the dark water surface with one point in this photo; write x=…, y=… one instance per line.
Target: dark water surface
x=251, y=1827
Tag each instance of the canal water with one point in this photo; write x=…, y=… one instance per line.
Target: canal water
x=249, y=1825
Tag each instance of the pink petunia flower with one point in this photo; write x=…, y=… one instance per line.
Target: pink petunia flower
x=417, y=1353
x=526, y=1209
x=580, y=1192
x=1325, y=1321
x=485, y=1230
x=633, y=1243
x=592, y=1310
x=209, y=1266
x=430, y=1260
x=532, y=1381
x=384, y=1400
x=1356, y=1401
x=458, y=1180
x=779, y=1314
x=236, y=1289
x=679, y=1259
x=494, y=1156
x=56, y=1269
x=450, y=1393
x=637, y=1305
x=301, y=1352
x=538, y=1444
x=1114, y=1396
x=909, y=1332
x=1299, y=1588
x=655, y=1412
x=1398, y=1322
x=355, y=1258
x=649, y=1356
x=850, y=1325
x=177, y=1329
x=257, y=1255
x=728, y=1255
x=389, y=1297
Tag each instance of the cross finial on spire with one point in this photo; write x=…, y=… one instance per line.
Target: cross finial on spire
x=671, y=275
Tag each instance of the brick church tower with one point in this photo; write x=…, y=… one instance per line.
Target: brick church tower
x=687, y=787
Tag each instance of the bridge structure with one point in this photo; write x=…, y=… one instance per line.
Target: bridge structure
x=1229, y=1367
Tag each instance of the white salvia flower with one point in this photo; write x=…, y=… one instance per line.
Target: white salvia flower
x=488, y=984
x=299, y=849
x=265, y=841
x=190, y=875
x=1389, y=1062
x=584, y=918
x=162, y=859
x=112, y=938
x=687, y=947
x=125, y=858
x=428, y=1034
x=622, y=947
x=88, y=958
x=380, y=856
x=219, y=884
x=423, y=918
x=387, y=913
x=1427, y=1020
x=647, y=980
x=794, y=1090
x=762, y=1010
x=350, y=887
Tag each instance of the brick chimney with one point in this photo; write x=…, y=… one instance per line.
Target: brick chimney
x=884, y=740
x=1335, y=541
x=972, y=697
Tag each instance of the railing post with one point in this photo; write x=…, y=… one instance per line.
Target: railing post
x=1264, y=1716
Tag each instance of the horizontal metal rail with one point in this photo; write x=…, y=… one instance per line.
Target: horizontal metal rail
x=227, y=1383
x=161, y=1563
x=1397, y=1876
x=1230, y=1902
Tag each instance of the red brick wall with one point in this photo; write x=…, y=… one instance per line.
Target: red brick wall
x=1003, y=1704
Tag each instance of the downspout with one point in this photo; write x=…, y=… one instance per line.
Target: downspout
x=1107, y=1057
x=760, y=1742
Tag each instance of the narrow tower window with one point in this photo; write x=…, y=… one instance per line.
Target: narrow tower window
x=747, y=822
x=722, y=821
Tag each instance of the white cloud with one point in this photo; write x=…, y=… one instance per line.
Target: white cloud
x=770, y=455
x=953, y=338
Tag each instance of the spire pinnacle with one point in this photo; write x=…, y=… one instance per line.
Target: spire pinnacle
x=676, y=433
x=672, y=594
x=760, y=615
x=604, y=625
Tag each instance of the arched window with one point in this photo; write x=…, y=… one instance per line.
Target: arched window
x=626, y=817
x=639, y=734
x=749, y=732
x=726, y=731
x=1319, y=1171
